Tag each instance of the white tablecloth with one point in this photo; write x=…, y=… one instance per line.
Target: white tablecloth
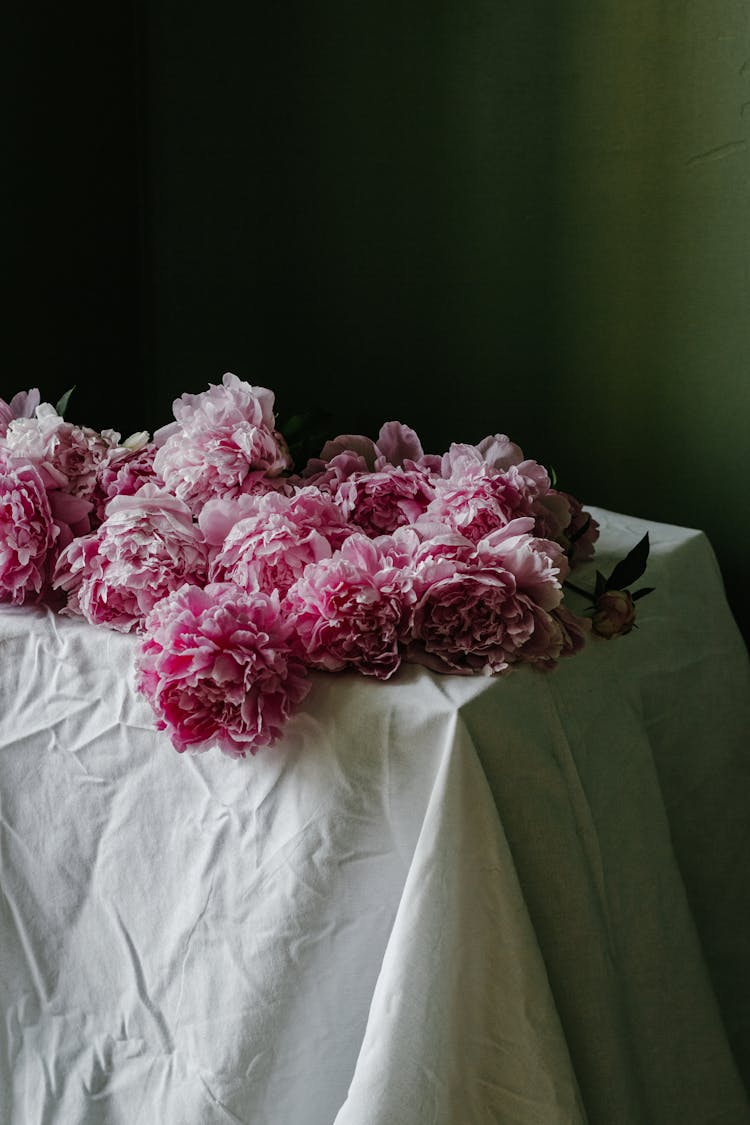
x=440, y=901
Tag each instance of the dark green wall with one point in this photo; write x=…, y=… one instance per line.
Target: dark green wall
x=521, y=216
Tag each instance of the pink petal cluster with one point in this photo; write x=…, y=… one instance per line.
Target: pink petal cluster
x=379, y=502
x=122, y=473
x=353, y=610
x=146, y=547
x=21, y=405
x=217, y=666
x=71, y=454
x=223, y=443
x=27, y=533
x=264, y=542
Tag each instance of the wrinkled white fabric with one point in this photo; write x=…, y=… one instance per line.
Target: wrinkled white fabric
x=439, y=901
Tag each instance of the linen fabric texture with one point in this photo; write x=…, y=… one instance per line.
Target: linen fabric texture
x=439, y=900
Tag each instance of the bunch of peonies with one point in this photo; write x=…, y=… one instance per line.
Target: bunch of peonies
x=240, y=577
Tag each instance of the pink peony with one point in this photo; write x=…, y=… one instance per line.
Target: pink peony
x=538, y=565
x=21, y=405
x=122, y=473
x=27, y=533
x=478, y=607
x=273, y=539
x=71, y=454
x=469, y=618
x=217, y=667
x=145, y=548
x=476, y=502
x=380, y=502
x=327, y=476
x=354, y=609
x=222, y=444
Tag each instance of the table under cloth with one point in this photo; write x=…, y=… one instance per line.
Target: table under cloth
x=440, y=900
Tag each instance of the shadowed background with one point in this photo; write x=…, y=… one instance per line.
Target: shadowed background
x=528, y=217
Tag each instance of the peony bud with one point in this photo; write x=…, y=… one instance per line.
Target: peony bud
x=615, y=614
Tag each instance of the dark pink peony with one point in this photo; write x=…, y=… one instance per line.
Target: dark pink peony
x=581, y=533
x=272, y=537
x=217, y=668
x=222, y=444
x=354, y=609
x=145, y=548
x=27, y=533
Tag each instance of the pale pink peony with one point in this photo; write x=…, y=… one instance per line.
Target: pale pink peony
x=122, y=473
x=476, y=501
x=72, y=454
x=145, y=548
x=556, y=634
x=222, y=444
x=21, y=405
x=273, y=539
x=354, y=609
x=217, y=668
x=27, y=533
x=379, y=502
x=539, y=566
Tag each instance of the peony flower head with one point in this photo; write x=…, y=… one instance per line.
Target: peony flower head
x=145, y=548
x=353, y=610
x=478, y=607
x=379, y=502
x=71, y=454
x=222, y=444
x=272, y=537
x=217, y=668
x=27, y=533
x=122, y=473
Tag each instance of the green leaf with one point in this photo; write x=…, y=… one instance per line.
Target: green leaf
x=552, y=476
x=601, y=584
x=62, y=405
x=642, y=592
x=630, y=569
